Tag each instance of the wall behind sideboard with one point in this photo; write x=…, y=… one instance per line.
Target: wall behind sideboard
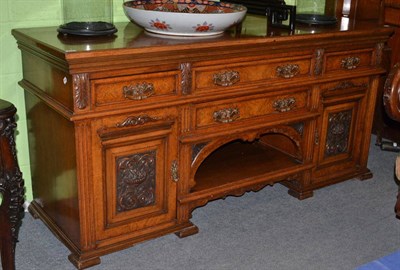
x=23, y=14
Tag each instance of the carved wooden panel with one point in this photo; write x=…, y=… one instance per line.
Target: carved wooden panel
x=338, y=133
x=136, y=181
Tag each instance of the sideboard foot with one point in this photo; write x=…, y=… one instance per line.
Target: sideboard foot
x=193, y=229
x=367, y=175
x=83, y=263
x=301, y=195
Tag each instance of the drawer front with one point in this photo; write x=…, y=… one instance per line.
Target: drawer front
x=344, y=90
x=226, y=76
x=135, y=89
x=218, y=113
x=348, y=61
x=392, y=15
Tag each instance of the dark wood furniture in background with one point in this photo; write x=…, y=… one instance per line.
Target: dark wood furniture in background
x=388, y=11
x=391, y=101
x=129, y=135
x=11, y=187
x=391, y=17
x=387, y=128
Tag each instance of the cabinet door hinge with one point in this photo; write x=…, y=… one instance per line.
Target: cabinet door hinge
x=175, y=171
x=316, y=138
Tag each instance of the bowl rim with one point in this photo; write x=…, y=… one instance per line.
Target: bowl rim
x=237, y=8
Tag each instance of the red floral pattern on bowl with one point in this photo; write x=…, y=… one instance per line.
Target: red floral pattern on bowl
x=204, y=27
x=162, y=25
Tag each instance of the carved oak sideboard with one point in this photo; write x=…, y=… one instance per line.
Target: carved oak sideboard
x=128, y=134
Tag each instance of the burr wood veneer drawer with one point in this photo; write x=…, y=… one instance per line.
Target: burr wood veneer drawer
x=349, y=60
x=135, y=89
x=218, y=77
x=240, y=109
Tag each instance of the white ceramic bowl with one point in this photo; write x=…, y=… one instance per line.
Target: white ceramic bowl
x=184, y=18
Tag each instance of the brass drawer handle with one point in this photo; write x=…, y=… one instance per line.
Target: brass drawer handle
x=287, y=71
x=284, y=105
x=226, y=78
x=139, y=91
x=350, y=62
x=226, y=115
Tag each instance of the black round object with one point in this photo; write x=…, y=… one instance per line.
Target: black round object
x=87, y=28
x=315, y=19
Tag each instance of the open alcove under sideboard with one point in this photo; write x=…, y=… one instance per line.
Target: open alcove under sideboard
x=128, y=134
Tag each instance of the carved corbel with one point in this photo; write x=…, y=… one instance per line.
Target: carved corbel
x=81, y=88
x=379, y=53
x=319, y=61
x=186, y=78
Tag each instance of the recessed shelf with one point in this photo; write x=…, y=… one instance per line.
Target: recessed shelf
x=239, y=161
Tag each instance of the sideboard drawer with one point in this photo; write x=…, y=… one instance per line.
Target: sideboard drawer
x=235, y=110
x=220, y=77
x=350, y=60
x=135, y=89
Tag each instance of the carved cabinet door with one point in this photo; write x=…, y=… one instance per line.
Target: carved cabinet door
x=135, y=173
x=339, y=135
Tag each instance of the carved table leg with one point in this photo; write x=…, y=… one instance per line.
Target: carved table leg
x=11, y=187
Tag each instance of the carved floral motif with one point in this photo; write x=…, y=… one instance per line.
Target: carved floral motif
x=338, y=133
x=136, y=181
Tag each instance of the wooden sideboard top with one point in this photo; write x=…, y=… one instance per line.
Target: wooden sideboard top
x=131, y=36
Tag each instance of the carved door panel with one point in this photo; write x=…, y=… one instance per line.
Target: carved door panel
x=135, y=174
x=340, y=130
x=338, y=123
